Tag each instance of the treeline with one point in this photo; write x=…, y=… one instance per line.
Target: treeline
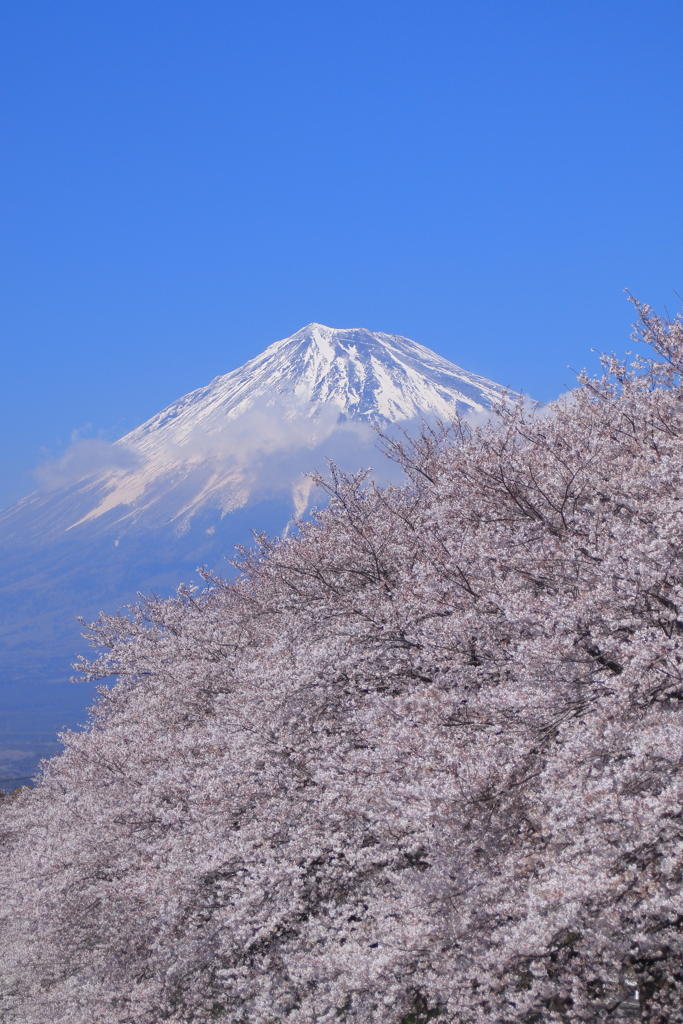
x=422, y=761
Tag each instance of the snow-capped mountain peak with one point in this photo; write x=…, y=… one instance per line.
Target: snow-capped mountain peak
x=258, y=429
x=372, y=377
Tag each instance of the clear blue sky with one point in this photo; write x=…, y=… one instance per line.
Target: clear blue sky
x=184, y=183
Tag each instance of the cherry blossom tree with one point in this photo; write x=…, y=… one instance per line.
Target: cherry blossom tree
x=422, y=761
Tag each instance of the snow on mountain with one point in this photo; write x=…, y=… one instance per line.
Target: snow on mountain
x=382, y=378
x=316, y=392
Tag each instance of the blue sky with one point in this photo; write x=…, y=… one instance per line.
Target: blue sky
x=184, y=183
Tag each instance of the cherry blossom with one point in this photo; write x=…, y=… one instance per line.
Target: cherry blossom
x=421, y=761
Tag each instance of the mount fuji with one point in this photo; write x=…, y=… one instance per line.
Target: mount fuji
x=139, y=515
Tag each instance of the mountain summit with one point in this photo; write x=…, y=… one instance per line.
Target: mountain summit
x=182, y=489
x=380, y=378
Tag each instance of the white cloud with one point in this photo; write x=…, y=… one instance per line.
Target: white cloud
x=265, y=451
x=84, y=458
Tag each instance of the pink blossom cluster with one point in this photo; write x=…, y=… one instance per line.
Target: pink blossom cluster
x=422, y=761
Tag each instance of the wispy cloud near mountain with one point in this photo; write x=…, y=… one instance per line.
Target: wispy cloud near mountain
x=83, y=458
